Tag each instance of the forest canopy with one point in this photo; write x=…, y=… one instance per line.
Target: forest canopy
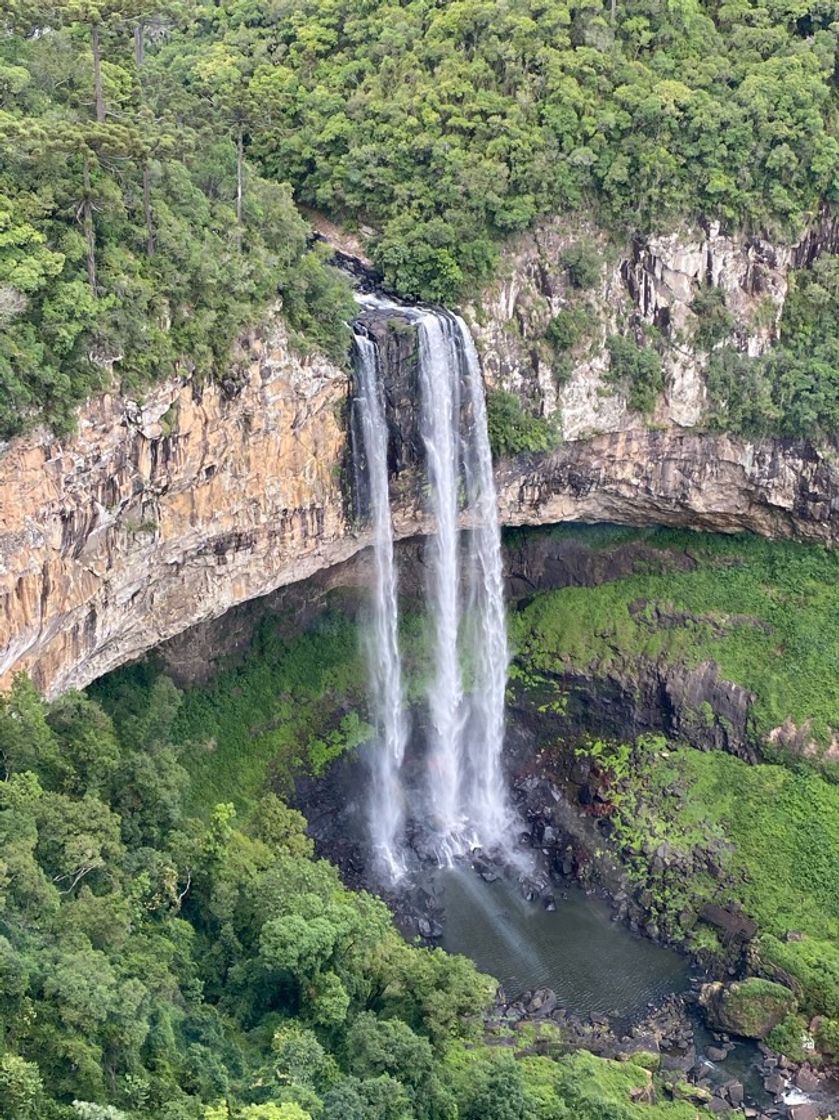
x=160, y=965
x=152, y=149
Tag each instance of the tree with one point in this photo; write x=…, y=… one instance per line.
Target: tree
x=222, y=75
x=21, y=1088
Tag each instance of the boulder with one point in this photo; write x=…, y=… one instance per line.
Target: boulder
x=807, y=1081
x=734, y=1092
x=749, y=1008
x=806, y=1111
x=543, y=1002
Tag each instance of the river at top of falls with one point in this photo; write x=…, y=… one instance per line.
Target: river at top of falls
x=466, y=794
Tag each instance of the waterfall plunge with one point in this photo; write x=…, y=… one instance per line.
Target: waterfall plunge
x=466, y=793
x=381, y=638
x=465, y=594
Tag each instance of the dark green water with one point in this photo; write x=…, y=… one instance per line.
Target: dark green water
x=592, y=963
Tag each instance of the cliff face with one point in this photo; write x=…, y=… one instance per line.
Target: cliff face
x=643, y=285
x=154, y=518
x=714, y=482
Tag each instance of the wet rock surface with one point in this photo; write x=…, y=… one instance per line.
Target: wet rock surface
x=696, y=1061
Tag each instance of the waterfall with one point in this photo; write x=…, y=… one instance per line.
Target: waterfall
x=487, y=622
x=381, y=637
x=466, y=795
x=465, y=594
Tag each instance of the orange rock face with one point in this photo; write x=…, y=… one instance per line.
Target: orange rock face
x=153, y=517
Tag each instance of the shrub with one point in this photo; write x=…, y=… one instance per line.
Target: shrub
x=582, y=263
x=637, y=370
x=714, y=320
x=567, y=328
x=791, y=1037
x=512, y=431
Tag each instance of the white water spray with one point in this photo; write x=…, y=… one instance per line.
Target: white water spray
x=485, y=793
x=387, y=814
x=465, y=593
x=466, y=693
x=439, y=373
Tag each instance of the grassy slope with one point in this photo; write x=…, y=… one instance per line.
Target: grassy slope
x=768, y=613
x=790, y=659
x=775, y=833
x=292, y=703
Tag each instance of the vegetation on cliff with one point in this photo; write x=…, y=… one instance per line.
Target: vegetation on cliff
x=146, y=215
x=447, y=127
x=692, y=827
x=513, y=431
x=208, y=967
x=133, y=238
x=695, y=828
x=766, y=612
x=794, y=389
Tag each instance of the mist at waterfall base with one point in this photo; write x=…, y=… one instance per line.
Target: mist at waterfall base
x=465, y=798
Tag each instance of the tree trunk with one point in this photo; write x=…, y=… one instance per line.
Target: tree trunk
x=89, y=230
x=614, y=11
x=240, y=183
x=147, y=212
x=140, y=44
x=97, y=73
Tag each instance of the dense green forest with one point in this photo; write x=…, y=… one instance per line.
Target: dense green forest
x=131, y=234
x=794, y=388
x=151, y=150
x=207, y=967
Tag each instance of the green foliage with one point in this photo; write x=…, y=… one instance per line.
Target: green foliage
x=772, y=833
x=766, y=612
x=283, y=708
x=636, y=370
x=763, y=837
x=827, y=1037
x=448, y=128
x=567, y=328
x=511, y=430
x=146, y=213
x=715, y=320
x=350, y=733
x=208, y=969
x=754, y=1006
x=582, y=263
x=793, y=389
x=128, y=251
x=792, y=1038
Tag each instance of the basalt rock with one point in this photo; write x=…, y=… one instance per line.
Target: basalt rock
x=750, y=1008
x=156, y=516
x=161, y=515
x=648, y=282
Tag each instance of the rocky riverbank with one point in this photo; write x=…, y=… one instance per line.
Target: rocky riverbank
x=680, y=1037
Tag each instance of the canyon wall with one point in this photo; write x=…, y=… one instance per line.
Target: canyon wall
x=159, y=515
x=155, y=517
x=648, y=285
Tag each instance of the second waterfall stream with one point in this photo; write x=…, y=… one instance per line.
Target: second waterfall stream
x=465, y=791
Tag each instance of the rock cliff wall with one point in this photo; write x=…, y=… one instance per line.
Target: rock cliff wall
x=644, y=285
x=156, y=517
x=152, y=518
